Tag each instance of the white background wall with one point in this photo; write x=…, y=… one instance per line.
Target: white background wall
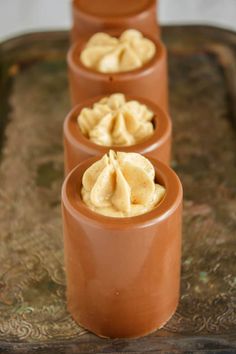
x=20, y=16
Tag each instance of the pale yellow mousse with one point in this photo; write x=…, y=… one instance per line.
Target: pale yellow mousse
x=107, y=54
x=121, y=185
x=113, y=121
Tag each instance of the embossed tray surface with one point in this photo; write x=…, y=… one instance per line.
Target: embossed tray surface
x=33, y=103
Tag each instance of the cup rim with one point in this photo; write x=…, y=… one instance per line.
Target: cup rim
x=73, y=134
x=114, y=19
x=72, y=201
x=75, y=64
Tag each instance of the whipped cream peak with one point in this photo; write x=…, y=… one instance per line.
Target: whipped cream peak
x=107, y=54
x=121, y=185
x=113, y=121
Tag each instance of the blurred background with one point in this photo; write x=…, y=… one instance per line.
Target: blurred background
x=22, y=16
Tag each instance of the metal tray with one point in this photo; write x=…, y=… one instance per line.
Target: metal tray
x=33, y=103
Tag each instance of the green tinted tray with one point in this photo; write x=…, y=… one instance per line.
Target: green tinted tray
x=33, y=103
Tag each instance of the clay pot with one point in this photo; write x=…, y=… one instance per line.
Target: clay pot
x=78, y=148
x=90, y=17
x=150, y=81
x=123, y=275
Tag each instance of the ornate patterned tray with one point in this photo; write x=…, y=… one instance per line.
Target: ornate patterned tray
x=33, y=104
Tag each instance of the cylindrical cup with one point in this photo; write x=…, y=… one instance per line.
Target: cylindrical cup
x=90, y=17
x=123, y=274
x=150, y=81
x=78, y=148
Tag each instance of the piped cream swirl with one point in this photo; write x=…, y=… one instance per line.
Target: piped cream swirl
x=113, y=121
x=107, y=54
x=121, y=185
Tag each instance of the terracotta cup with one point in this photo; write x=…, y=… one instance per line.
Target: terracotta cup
x=90, y=17
x=78, y=148
x=123, y=275
x=150, y=81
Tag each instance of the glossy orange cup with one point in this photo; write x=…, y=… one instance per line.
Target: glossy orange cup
x=150, y=81
x=78, y=148
x=90, y=17
x=123, y=274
